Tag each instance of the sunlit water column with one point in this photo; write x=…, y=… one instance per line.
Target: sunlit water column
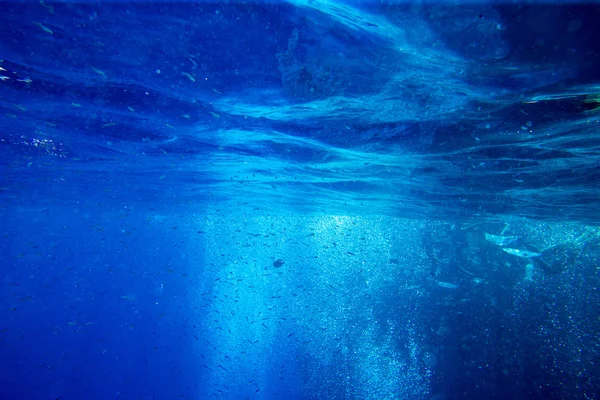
x=320, y=305
x=366, y=294
x=255, y=304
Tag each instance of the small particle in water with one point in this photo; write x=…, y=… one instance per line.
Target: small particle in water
x=521, y=253
x=51, y=11
x=278, y=263
x=189, y=76
x=429, y=359
x=99, y=72
x=447, y=285
x=45, y=28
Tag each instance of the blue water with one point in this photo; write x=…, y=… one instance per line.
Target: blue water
x=299, y=200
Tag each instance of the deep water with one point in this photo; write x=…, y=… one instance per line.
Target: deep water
x=299, y=200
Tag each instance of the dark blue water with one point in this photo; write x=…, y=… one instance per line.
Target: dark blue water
x=299, y=200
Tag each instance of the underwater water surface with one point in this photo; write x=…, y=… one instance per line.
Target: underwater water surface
x=299, y=200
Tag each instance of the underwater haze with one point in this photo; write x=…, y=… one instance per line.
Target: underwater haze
x=299, y=200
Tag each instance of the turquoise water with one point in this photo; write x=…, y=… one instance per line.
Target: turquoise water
x=299, y=200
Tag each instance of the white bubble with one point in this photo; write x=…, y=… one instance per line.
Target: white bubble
x=429, y=359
